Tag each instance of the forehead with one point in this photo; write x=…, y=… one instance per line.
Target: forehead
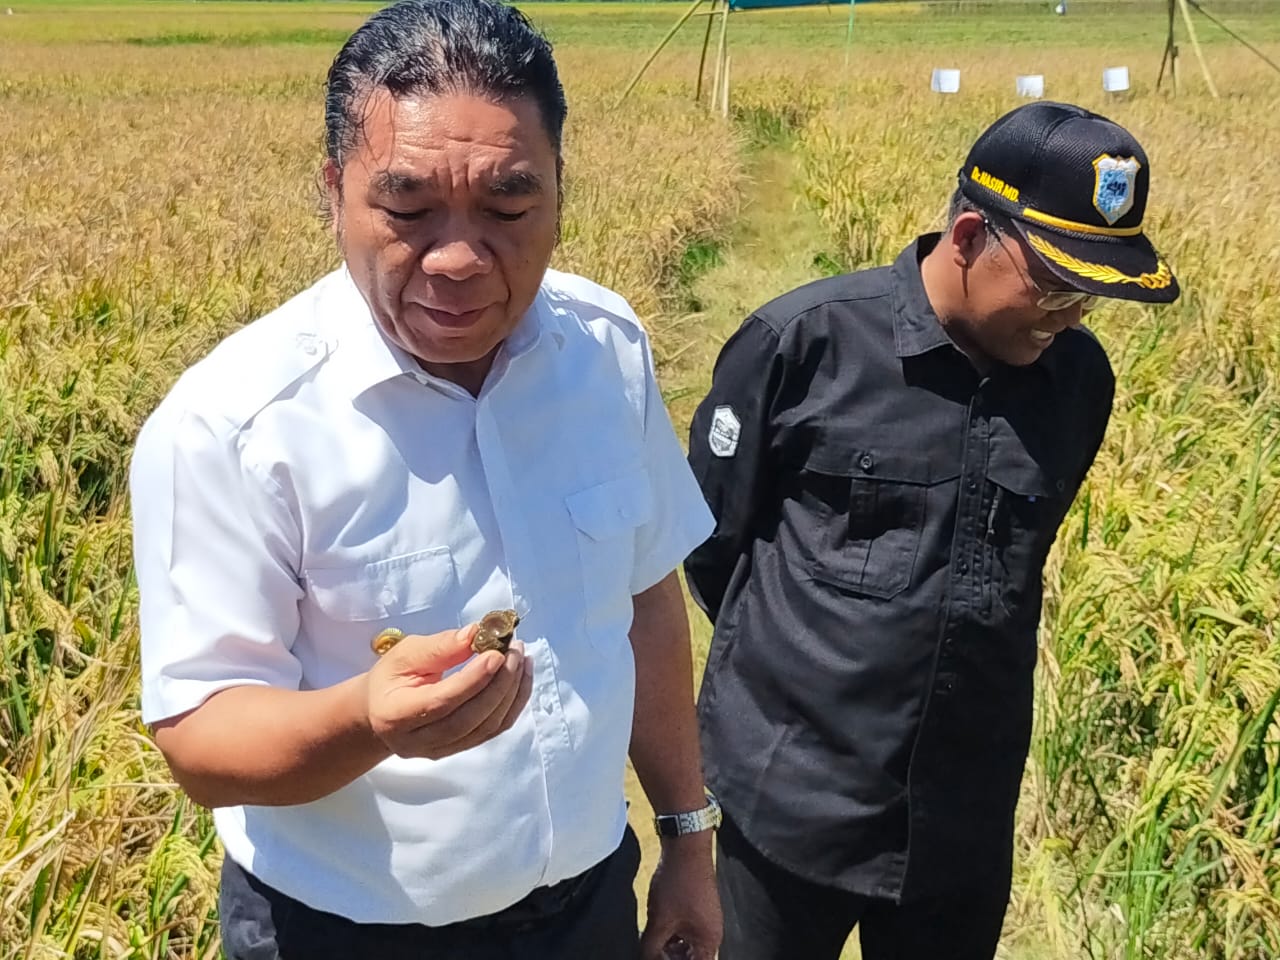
x=415, y=134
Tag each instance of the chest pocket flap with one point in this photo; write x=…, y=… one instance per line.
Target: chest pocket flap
x=383, y=589
x=613, y=508
x=868, y=511
x=606, y=518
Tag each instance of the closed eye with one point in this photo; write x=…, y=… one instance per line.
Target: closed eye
x=405, y=216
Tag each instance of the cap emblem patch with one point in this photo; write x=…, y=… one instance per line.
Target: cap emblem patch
x=1113, y=185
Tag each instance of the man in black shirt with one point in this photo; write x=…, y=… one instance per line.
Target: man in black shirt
x=889, y=455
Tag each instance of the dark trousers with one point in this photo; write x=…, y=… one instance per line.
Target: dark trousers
x=771, y=914
x=588, y=917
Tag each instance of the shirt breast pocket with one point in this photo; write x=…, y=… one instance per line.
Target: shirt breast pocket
x=414, y=592
x=1028, y=506
x=606, y=518
x=869, y=508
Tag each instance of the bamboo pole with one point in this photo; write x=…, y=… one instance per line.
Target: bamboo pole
x=658, y=49
x=724, y=110
x=717, y=93
x=702, y=61
x=1195, y=45
x=848, y=39
x=1170, y=54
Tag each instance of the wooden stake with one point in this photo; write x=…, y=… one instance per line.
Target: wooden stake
x=1170, y=54
x=725, y=104
x=658, y=49
x=721, y=53
x=702, y=62
x=1195, y=45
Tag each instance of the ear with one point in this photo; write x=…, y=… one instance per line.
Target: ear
x=332, y=175
x=968, y=238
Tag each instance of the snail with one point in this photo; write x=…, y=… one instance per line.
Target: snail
x=496, y=629
x=387, y=639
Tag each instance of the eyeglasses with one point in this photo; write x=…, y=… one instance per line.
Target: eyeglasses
x=1064, y=299
x=1049, y=300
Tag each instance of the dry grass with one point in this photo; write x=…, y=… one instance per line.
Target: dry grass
x=158, y=196
x=1151, y=806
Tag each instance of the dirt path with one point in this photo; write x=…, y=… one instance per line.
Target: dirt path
x=771, y=249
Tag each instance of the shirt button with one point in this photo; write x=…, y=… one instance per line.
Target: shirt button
x=387, y=596
x=973, y=485
x=867, y=461
x=624, y=513
x=962, y=568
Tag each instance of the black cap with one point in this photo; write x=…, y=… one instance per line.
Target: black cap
x=1074, y=185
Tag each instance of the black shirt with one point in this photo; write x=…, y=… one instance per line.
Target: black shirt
x=883, y=516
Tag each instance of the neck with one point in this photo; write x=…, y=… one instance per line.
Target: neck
x=947, y=288
x=469, y=374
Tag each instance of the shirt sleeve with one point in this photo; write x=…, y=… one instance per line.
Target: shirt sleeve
x=215, y=550
x=729, y=444
x=680, y=519
x=1104, y=398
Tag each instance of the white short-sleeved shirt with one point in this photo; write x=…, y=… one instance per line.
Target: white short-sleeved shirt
x=307, y=484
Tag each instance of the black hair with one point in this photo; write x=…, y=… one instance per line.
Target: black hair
x=424, y=47
x=961, y=204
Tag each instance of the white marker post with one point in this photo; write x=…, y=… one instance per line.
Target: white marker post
x=1115, y=79
x=945, y=81
x=1031, y=85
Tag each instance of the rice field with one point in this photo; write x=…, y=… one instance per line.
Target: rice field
x=159, y=190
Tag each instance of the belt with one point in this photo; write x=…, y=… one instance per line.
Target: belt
x=540, y=904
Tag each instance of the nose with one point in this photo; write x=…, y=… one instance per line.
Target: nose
x=458, y=253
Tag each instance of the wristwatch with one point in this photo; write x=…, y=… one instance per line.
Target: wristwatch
x=694, y=821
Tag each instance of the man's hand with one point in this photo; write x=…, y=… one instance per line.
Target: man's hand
x=684, y=920
x=418, y=712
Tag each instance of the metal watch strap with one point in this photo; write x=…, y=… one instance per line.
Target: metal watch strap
x=692, y=821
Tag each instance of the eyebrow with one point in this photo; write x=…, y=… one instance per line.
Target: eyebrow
x=520, y=183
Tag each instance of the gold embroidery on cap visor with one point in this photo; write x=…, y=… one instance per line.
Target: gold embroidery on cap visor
x=1100, y=272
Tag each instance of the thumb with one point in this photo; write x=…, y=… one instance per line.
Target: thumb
x=430, y=655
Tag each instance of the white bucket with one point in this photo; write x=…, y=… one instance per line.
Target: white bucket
x=1115, y=79
x=1031, y=85
x=945, y=81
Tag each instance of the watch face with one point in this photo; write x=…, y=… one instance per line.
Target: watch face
x=693, y=821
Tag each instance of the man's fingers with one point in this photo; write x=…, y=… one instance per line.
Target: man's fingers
x=429, y=655
x=523, y=694
x=496, y=722
x=492, y=722
x=467, y=706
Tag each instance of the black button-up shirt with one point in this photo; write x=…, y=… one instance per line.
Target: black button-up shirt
x=883, y=516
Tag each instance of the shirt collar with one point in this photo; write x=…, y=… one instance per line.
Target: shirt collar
x=369, y=358
x=916, y=329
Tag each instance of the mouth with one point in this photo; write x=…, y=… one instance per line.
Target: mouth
x=453, y=317
x=1043, y=337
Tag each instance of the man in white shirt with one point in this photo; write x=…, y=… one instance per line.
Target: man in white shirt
x=441, y=428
